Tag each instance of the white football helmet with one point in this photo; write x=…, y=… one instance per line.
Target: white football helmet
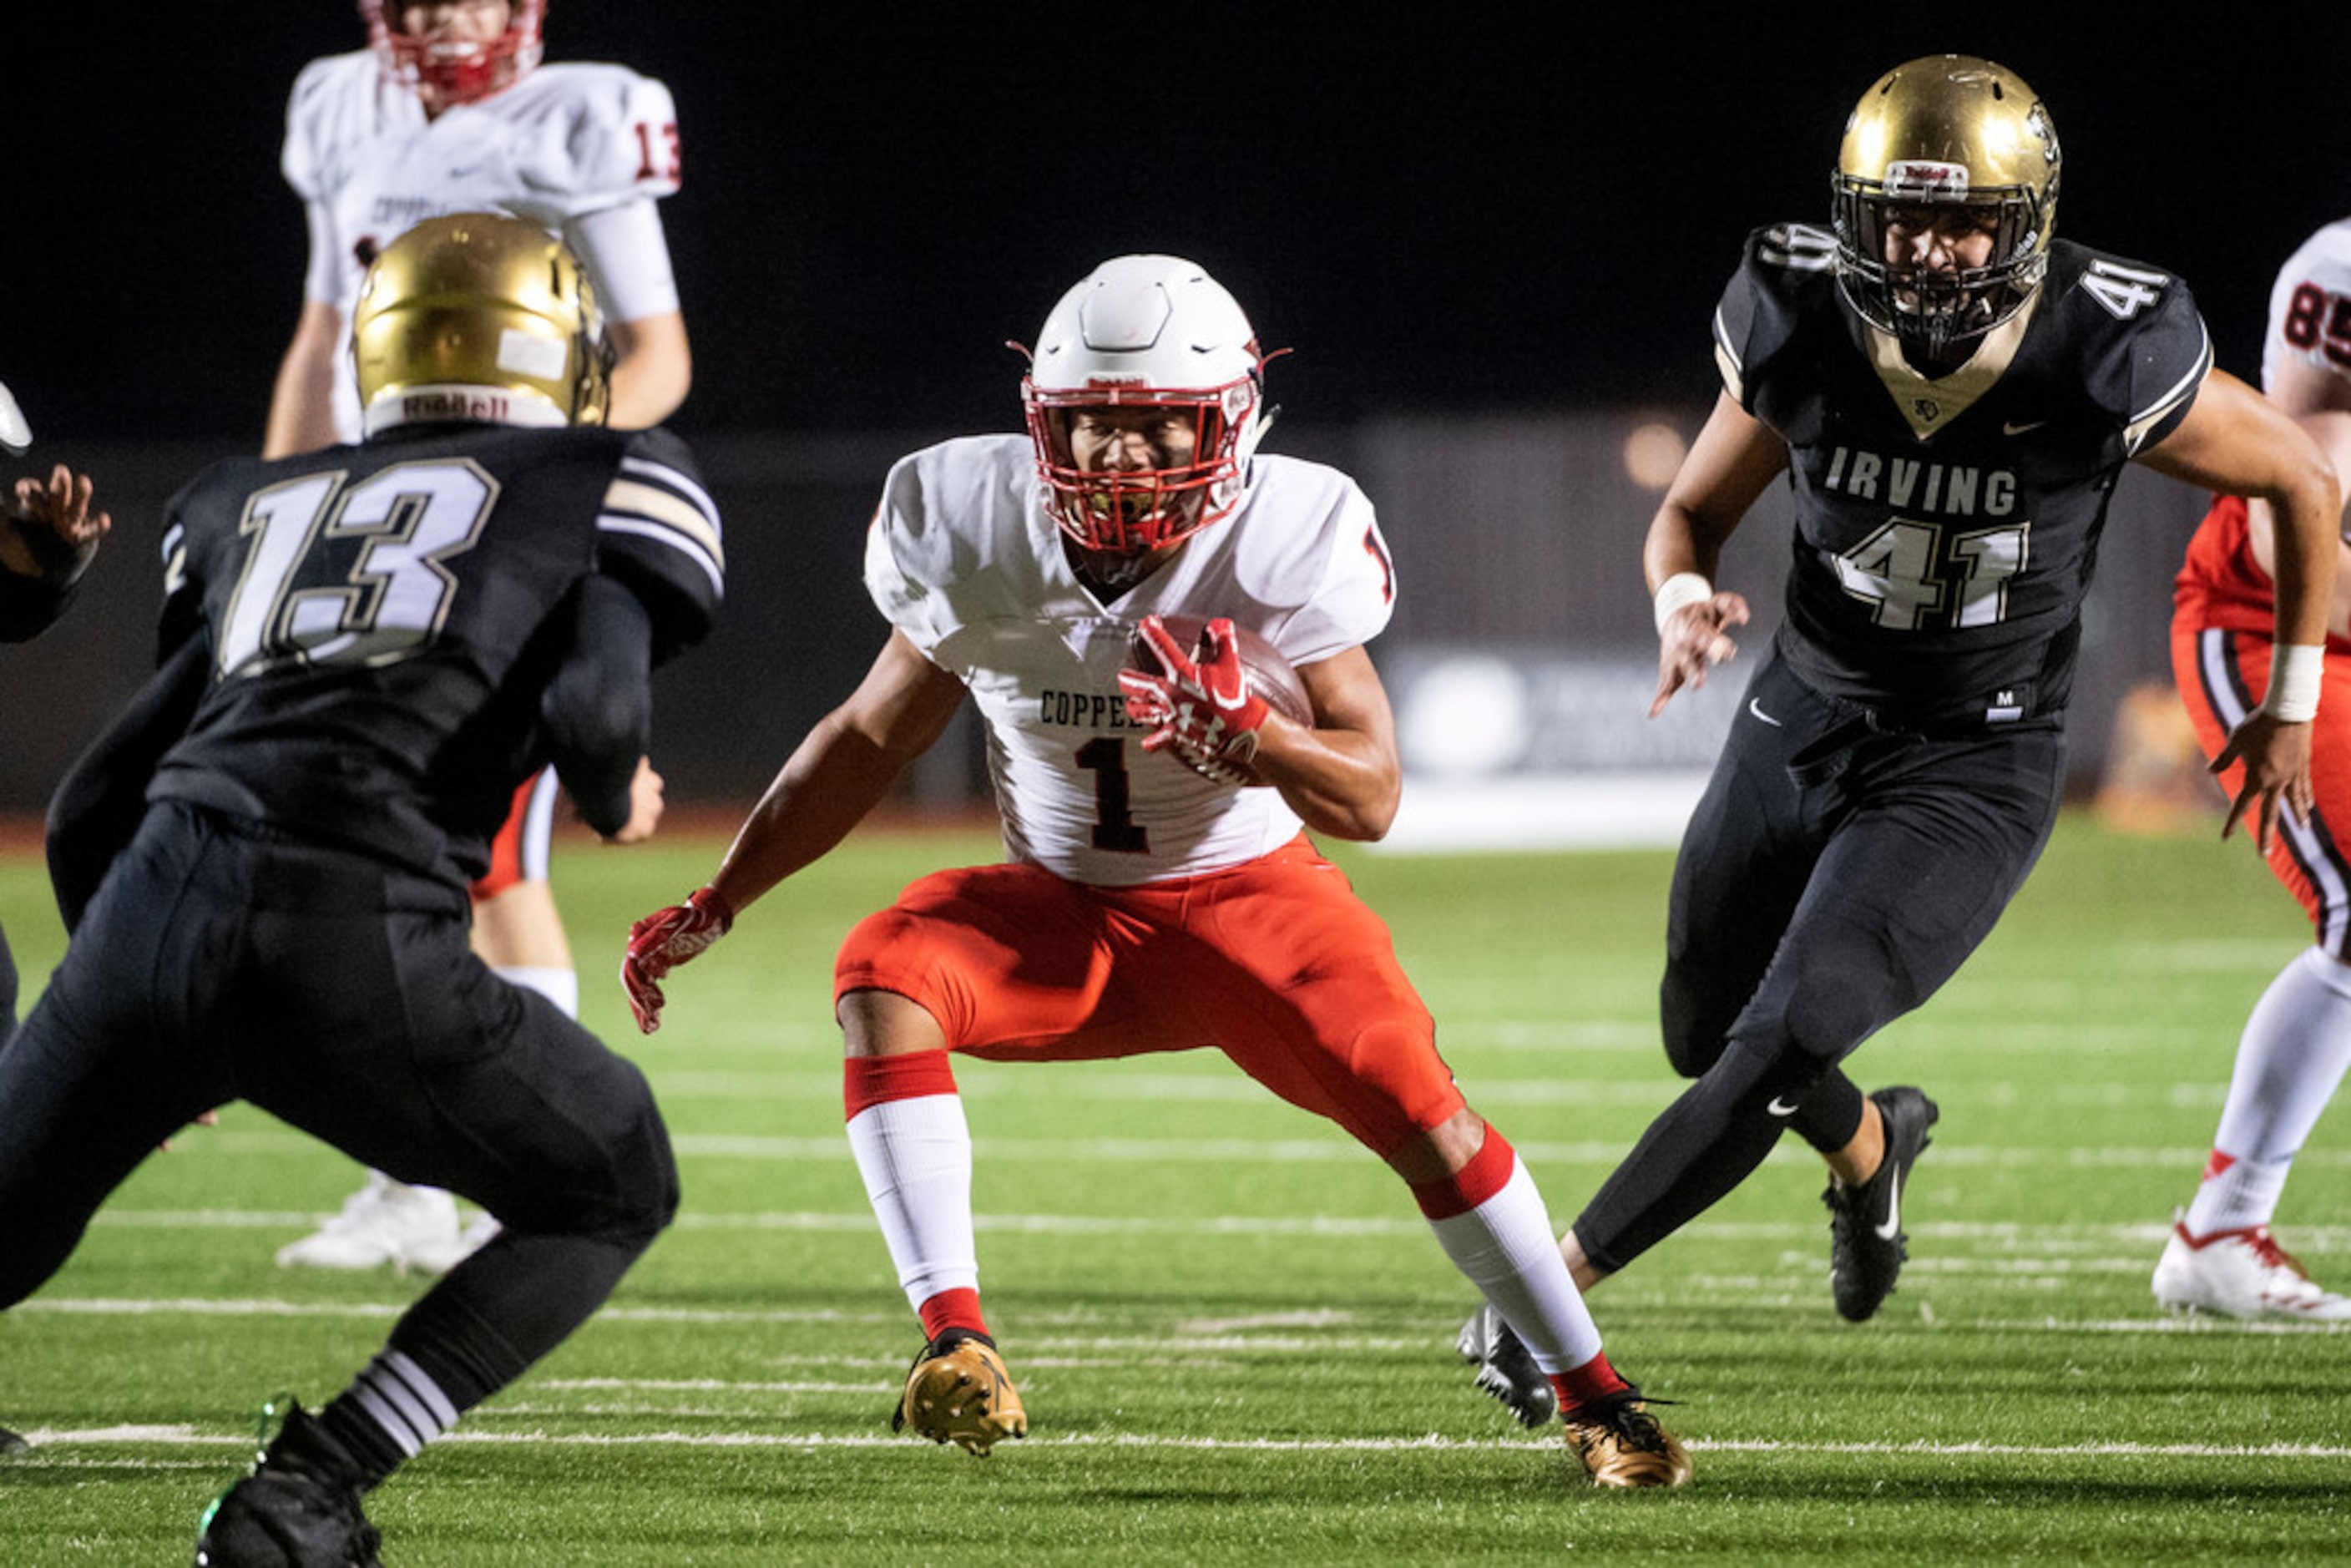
x=460, y=74
x=1152, y=332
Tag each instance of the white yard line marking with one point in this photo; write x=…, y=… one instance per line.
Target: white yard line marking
x=139, y=1436
x=2115, y=1245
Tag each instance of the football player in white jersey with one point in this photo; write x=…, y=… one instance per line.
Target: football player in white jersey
x=1152, y=899
x=2221, y=1257
x=448, y=110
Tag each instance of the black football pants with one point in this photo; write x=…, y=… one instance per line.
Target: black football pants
x=1836, y=872
x=221, y=961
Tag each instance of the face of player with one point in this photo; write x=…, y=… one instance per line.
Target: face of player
x=1131, y=440
x=1135, y=447
x=454, y=27
x=1939, y=238
x=456, y=21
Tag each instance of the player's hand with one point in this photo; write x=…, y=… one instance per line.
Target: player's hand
x=2276, y=755
x=55, y=532
x=1693, y=640
x=1198, y=705
x=644, y=806
x=661, y=942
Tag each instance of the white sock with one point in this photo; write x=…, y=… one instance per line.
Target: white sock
x=1505, y=1247
x=560, y=986
x=2290, y=1061
x=915, y=1157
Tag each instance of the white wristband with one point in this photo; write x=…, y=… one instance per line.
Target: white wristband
x=1678, y=592
x=2296, y=671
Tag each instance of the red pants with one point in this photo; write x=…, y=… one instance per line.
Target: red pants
x=1275, y=963
x=2222, y=676
x=519, y=851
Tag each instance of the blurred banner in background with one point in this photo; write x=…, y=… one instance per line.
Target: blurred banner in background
x=1522, y=658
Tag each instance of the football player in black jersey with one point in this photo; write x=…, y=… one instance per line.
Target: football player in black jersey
x=1951, y=391
x=48, y=535
x=264, y=865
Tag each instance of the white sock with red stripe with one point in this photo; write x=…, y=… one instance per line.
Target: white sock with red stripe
x=2292, y=1058
x=906, y=1128
x=1491, y=1222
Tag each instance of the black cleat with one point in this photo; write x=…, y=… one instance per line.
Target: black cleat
x=10, y=1443
x=292, y=1511
x=1865, y=1237
x=1506, y=1368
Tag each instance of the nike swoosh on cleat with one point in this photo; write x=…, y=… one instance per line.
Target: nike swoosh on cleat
x=1755, y=708
x=1893, y=1225
x=1780, y=1107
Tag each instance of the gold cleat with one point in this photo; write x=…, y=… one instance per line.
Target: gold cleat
x=1622, y=1445
x=961, y=1395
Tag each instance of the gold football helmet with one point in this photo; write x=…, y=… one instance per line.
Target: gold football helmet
x=1946, y=132
x=479, y=315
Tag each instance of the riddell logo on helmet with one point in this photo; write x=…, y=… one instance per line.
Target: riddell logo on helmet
x=1925, y=177
x=486, y=406
x=1113, y=384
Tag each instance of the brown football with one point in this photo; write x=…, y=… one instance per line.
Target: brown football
x=1270, y=675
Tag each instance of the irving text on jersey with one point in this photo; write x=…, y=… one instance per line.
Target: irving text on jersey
x=1957, y=491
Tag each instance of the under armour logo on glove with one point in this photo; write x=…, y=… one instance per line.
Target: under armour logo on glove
x=1199, y=706
x=661, y=942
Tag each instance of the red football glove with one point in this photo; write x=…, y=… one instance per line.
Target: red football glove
x=1200, y=704
x=659, y=943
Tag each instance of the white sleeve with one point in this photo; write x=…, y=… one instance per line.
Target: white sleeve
x=607, y=137
x=900, y=601
x=627, y=255
x=1355, y=593
x=322, y=279
x=299, y=160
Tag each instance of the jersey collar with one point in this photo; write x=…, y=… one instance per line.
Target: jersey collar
x=1928, y=404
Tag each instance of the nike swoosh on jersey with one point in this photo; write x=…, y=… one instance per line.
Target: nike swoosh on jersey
x=1780, y=1107
x=1757, y=709
x=1893, y=1225
x=2008, y=429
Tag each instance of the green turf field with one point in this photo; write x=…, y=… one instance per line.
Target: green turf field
x=1231, y=1328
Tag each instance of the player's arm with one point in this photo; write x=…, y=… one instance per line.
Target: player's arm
x=841, y=771
x=626, y=252
x=652, y=369
x=2234, y=440
x=596, y=713
x=1342, y=776
x=301, y=401
x=1735, y=456
x=836, y=775
x=102, y=799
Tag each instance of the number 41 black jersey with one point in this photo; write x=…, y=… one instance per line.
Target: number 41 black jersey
x=383, y=620
x=1946, y=528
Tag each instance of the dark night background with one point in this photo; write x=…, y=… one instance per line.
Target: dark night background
x=1456, y=211
x=1470, y=211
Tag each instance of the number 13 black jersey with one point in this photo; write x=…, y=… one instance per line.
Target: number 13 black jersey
x=1946, y=528
x=384, y=618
